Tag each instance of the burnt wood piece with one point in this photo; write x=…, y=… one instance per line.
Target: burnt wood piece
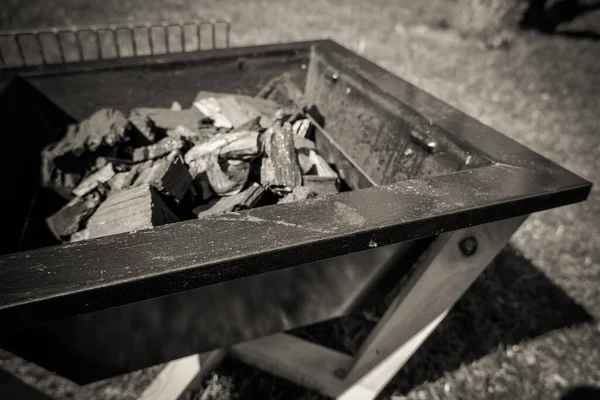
x=73, y=215
x=313, y=164
x=125, y=179
x=237, y=113
x=321, y=185
x=227, y=177
x=145, y=132
x=210, y=107
x=301, y=128
x=253, y=124
x=264, y=107
x=158, y=149
x=78, y=236
x=245, y=199
x=297, y=194
x=279, y=169
x=169, y=176
x=65, y=162
x=303, y=143
x=244, y=147
x=92, y=181
x=283, y=91
x=127, y=210
x=198, y=158
x=166, y=119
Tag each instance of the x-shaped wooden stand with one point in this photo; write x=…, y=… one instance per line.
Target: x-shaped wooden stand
x=443, y=273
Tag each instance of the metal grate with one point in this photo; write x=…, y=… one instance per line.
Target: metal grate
x=72, y=44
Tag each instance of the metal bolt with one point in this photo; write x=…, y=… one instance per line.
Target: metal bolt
x=468, y=246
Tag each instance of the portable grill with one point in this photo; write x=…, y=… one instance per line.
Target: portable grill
x=435, y=196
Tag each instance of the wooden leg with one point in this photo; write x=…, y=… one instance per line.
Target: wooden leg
x=179, y=375
x=444, y=272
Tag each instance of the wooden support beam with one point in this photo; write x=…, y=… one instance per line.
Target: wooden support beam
x=298, y=360
x=182, y=374
x=443, y=273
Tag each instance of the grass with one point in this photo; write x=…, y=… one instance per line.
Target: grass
x=528, y=327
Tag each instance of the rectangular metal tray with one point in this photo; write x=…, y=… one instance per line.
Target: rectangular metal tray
x=418, y=168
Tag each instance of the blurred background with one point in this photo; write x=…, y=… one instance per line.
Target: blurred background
x=528, y=328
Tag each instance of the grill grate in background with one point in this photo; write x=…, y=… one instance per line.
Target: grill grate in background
x=73, y=44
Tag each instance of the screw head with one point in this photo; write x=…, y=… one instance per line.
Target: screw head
x=468, y=246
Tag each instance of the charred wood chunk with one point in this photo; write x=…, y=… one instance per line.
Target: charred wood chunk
x=283, y=91
x=128, y=210
x=66, y=161
x=236, y=112
x=253, y=124
x=228, y=177
x=169, y=176
x=279, y=170
x=243, y=147
x=263, y=107
x=301, y=127
x=245, y=199
x=210, y=107
x=78, y=236
x=145, y=131
x=313, y=164
x=92, y=181
x=321, y=185
x=159, y=149
x=125, y=179
x=164, y=118
x=70, y=218
x=299, y=193
x=198, y=158
x=303, y=143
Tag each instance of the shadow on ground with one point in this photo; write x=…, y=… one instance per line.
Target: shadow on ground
x=510, y=303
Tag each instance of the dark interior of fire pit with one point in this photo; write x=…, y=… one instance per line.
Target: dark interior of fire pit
x=368, y=142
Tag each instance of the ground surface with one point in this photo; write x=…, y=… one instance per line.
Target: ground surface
x=529, y=327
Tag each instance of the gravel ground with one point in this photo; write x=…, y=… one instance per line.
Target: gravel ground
x=528, y=327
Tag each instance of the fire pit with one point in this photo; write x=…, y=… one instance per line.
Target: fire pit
x=434, y=195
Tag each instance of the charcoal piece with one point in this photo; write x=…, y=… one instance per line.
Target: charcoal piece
x=158, y=149
x=125, y=179
x=210, y=107
x=301, y=127
x=297, y=194
x=264, y=108
x=313, y=164
x=73, y=215
x=78, y=236
x=303, y=143
x=128, y=210
x=237, y=113
x=228, y=177
x=202, y=187
x=321, y=185
x=198, y=158
x=146, y=131
x=253, y=124
x=164, y=118
x=66, y=161
x=245, y=199
x=280, y=170
x=169, y=176
x=92, y=181
x=244, y=147
x=283, y=91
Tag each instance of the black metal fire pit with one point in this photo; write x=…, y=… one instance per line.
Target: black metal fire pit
x=417, y=168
